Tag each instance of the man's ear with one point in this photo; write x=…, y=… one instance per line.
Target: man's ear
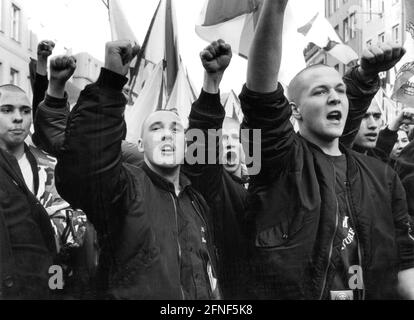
x=140, y=145
x=296, y=112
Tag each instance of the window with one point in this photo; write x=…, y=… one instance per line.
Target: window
x=396, y=33
x=1, y=15
x=31, y=41
x=346, y=30
x=369, y=10
x=336, y=5
x=14, y=77
x=381, y=38
x=330, y=7
x=15, y=23
x=337, y=30
x=353, y=22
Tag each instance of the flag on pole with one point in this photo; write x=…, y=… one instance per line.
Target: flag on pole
x=320, y=32
x=120, y=28
x=168, y=85
x=160, y=44
x=404, y=87
x=404, y=83
x=182, y=97
x=232, y=107
x=152, y=98
x=235, y=21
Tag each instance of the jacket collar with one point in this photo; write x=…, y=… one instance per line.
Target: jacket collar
x=34, y=165
x=352, y=166
x=164, y=183
x=11, y=165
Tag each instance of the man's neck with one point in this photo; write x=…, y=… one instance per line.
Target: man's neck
x=171, y=175
x=16, y=151
x=330, y=148
x=237, y=173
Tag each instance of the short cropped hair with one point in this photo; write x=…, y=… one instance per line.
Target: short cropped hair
x=295, y=81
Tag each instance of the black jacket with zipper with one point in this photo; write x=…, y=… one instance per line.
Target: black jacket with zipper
x=27, y=241
x=225, y=195
x=155, y=245
x=405, y=168
x=294, y=207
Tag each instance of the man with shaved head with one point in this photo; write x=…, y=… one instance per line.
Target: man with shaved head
x=221, y=182
x=152, y=225
x=327, y=223
x=27, y=243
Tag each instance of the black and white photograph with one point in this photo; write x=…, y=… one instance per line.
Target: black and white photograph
x=206, y=154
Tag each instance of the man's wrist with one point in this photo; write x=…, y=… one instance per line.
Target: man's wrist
x=212, y=82
x=393, y=126
x=56, y=90
x=366, y=76
x=41, y=67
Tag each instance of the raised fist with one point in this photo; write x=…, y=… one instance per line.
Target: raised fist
x=118, y=56
x=216, y=57
x=62, y=68
x=381, y=58
x=45, y=49
x=404, y=117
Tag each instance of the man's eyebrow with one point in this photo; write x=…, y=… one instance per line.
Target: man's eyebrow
x=178, y=124
x=158, y=123
x=13, y=106
x=320, y=86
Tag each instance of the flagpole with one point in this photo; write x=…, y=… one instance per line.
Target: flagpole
x=134, y=74
x=105, y=3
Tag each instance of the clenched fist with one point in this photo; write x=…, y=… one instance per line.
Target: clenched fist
x=118, y=56
x=404, y=117
x=45, y=49
x=216, y=57
x=380, y=58
x=62, y=68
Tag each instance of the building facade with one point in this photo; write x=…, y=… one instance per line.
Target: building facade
x=360, y=23
x=87, y=70
x=17, y=45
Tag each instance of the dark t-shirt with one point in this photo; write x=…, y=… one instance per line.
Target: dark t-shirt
x=345, y=252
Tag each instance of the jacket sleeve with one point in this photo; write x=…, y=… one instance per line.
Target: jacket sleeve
x=403, y=225
x=360, y=95
x=386, y=141
x=90, y=174
x=40, y=85
x=207, y=113
x=271, y=114
x=50, y=124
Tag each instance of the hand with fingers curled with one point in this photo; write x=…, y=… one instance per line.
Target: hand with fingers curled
x=380, y=58
x=404, y=117
x=119, y=55
x=216, y=57
x=45, y=49
x=62, y=68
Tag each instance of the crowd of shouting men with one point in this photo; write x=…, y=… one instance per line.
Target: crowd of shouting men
x=327, y=217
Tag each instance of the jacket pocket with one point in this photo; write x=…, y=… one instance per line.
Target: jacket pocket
x=281, y=233
x=273, y=237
